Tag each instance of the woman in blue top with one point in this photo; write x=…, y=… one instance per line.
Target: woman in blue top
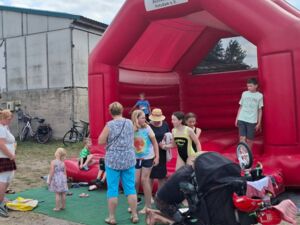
x=119, y=161
x=146, y=152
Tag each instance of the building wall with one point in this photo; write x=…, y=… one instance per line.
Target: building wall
x=57, y=106
x=44, y=65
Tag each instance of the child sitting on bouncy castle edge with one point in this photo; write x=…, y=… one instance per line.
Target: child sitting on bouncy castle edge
x=85, y=156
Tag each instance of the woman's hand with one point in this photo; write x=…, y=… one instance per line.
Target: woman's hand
x=161, y=145
x=156, y=161
x=12, y=157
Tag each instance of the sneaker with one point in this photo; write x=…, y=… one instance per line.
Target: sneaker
x=85, y=168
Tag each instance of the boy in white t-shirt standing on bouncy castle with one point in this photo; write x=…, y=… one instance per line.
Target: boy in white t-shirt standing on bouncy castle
x=249, y=115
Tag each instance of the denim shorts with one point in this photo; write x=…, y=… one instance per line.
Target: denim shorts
x=146, y=163
x=246, y=129
x=113, y=179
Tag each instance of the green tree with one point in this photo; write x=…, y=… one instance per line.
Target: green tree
x=234, y=54
x=216, y=54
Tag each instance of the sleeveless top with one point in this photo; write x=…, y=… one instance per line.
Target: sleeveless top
x=120, y=153
x=183, y=143
x=193, y=143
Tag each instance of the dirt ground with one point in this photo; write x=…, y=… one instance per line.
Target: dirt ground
x=33, y=161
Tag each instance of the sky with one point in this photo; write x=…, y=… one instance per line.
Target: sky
x=101, y=10
x=105, y=10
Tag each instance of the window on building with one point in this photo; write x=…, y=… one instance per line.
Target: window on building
x=229, y=54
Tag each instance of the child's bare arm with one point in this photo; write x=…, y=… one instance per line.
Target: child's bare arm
x=156, y=150
x=198, y=132
x=51, y=172
x=65, y=170
x=237, y=116
x=258, y=125
x=195, y=140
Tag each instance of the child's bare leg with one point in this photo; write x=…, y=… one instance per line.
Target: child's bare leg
x=146, y=186
x=57, y=201
x=138, y=173
x=242, y=139
x=161, y=182
x=88, y=160
x=80, y=163
x=103, y=177
x=63, y=200
x=249, y=143
x=179, y=163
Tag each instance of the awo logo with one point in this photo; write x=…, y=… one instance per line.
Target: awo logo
x=151, y=5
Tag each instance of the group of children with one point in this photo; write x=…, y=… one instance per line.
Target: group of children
x=185, y=138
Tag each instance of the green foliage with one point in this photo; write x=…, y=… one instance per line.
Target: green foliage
x=234, y=53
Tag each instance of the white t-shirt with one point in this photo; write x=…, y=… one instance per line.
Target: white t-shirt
x=250, y=102
x=9, y=139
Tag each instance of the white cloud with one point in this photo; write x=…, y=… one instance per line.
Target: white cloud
x=100, y=10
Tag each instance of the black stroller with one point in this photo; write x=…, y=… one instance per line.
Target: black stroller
x=210, y=190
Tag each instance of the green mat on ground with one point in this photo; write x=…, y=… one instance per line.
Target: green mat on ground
x=91, y=210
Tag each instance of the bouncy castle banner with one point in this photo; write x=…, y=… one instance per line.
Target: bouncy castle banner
x=151, y=5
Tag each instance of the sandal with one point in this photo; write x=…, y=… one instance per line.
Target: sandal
x=83, y=195
x=134, y=219
x=56, y=209
x=110, y=221
x=10, y=191
x=143, y=211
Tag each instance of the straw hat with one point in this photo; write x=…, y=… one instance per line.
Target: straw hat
x=156, y=115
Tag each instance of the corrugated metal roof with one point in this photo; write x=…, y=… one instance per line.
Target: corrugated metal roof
x=53, y=14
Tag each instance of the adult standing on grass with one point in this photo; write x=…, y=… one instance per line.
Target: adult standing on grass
x=7, y=157
x=118, y=135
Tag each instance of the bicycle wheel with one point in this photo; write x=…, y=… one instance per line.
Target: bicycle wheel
x=43, y=134
x=70, y=137
x=244, y=155
x=24, y=133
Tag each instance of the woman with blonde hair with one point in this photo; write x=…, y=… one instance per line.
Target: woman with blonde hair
x=119, y=161
x=7, y=157
x=146, y=152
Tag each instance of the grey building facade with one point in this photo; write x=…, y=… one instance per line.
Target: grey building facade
x=44, y=64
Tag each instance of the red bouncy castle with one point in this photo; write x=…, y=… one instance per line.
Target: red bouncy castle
x=152, y=47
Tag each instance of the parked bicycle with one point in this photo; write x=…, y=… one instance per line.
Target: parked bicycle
x=43, y=132
x=78, y=132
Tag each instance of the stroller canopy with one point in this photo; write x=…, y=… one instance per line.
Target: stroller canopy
x=213, y=169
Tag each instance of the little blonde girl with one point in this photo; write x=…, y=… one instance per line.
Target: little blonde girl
x=146, y=152
x=58, y=179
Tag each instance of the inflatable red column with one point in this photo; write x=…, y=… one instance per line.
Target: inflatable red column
x=102, y=91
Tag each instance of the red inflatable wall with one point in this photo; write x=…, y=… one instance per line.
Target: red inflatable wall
x=146, y=44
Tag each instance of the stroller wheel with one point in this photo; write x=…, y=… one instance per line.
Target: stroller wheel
x=244, y=155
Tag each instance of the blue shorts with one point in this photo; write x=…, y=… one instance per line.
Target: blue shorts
x=246, y=129
x=146, y=163
x=113, y=180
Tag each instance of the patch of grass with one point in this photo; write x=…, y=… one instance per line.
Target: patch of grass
x=33, y=161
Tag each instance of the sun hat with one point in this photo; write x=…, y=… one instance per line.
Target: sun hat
x=156, y=115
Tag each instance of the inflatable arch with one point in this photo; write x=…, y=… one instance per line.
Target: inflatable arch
x=153, y=45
